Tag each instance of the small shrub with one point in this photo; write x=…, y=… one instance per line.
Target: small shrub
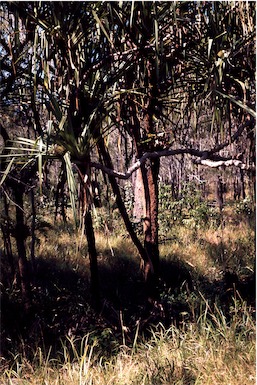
x=245, y=208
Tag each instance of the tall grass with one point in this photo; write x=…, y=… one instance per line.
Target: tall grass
x=206, y=336
x=211, y=351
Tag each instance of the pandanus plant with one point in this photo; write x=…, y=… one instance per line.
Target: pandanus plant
x=185, y=90
x=64, y=49
x=72, y=79
x=176, y=76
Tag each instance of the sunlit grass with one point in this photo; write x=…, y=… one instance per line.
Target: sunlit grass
x=209, y=347
x=209, y=351
x=211, y=251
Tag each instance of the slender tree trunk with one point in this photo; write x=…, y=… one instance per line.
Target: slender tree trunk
x=21, y=233
x=150, y=174
x=242, y=179
x=86, y=202
x=33, y=228
x=89, y=229
x=5, y=227
x=60, y=193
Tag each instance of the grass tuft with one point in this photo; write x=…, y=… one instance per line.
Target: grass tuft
x=213, y=350
x=201, y=329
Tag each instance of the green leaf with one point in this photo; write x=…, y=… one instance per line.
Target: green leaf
x=210, y=41
x=102, y=27
x=6, y=172
x=71, y=185
x=239, y=103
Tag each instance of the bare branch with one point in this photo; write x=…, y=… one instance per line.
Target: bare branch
x=222, y=163
x=206, y=159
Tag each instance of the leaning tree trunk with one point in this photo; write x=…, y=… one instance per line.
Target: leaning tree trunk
x=150, y=251
x=120, y=203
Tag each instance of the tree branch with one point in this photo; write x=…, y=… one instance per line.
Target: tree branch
x=207, y=158
x=249, y=121
x=222, y=163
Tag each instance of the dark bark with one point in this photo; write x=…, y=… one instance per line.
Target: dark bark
x=236, y=189
x=150, y=179
x=60, y=194
x=150, y=174
x=33, y=228
x=93, y=260
x=242, y=180
x=85, y=205
x=21, y=233
x=6, y=231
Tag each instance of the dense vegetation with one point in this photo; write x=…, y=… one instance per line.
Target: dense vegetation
x=127, y=192
x=201, y=328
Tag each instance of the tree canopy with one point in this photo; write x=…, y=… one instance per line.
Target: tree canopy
x=170, y=78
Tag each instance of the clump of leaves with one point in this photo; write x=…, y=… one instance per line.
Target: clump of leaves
x=245, y=208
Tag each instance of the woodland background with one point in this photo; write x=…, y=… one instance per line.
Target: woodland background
x=127, y=192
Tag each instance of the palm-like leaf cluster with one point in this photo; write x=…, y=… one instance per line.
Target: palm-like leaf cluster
x=166, y=74
x=94, y=65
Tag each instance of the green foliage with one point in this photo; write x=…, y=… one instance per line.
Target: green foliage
x=202, y=216
x=191, y=209
x=245, y=208
x=129, y=197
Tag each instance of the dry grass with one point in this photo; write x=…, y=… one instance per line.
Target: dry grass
x=211, y=251
x=208, y=352
x=211, y=348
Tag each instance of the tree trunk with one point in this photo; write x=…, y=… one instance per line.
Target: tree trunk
x=150, y=172
x=21, y=233
x=86, y=204
x=5, y=227
x=60, y=193
x=89, y=229
x=150, y=251
x=242, y=179
x=33, y=228
x=139, y=201
x=121, y=206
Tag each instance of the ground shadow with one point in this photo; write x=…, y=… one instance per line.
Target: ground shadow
x=61, y=303
x=237, y=272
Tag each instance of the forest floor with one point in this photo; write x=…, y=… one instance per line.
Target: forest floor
x=199, y=330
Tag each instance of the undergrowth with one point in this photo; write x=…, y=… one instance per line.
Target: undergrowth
x=200, y=329
x=212, y=350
